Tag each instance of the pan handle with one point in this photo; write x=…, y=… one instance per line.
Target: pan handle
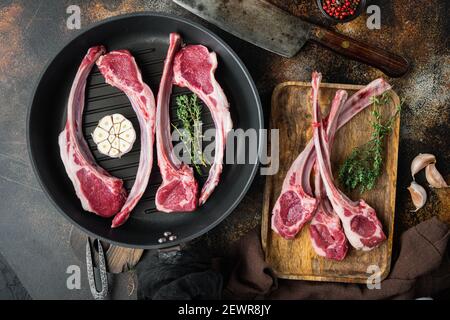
x=391, y=64
x=169, y=253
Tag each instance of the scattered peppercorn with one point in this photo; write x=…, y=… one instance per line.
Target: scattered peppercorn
x=340, y=9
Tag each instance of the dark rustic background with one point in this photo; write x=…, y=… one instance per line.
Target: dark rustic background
x=34, y=238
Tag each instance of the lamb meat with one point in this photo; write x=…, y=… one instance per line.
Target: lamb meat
x=296, y=204
x=120, y=70
x=178, y=191
x=361, y=225
x=327, y=236
x=98, y=191
x=326, y=233
x=194, y=68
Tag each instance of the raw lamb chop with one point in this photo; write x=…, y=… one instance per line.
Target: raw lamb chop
x=361, y=225
x=298, y=207
x=98, y=191
x=194, y=68
x=120, y=70
x=327, y=236
x=326, y=233
x=178, y=191
x=296, y=204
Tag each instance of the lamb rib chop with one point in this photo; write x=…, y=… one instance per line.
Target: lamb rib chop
x=295, y=205
x=361, y=225
x=98, y=191
x=120, y=70
x=326, y=233
x=178, y=191
x=194, y=68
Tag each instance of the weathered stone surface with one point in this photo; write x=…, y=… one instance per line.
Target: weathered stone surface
x=10, y=286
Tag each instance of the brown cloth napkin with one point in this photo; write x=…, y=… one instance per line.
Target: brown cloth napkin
x=422, y=269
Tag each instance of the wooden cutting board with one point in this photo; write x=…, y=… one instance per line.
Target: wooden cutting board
x=296, y=259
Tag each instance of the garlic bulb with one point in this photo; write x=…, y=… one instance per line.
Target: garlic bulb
x=434, y=177
x=418, y=195
x=420, y=162
x=114, y=135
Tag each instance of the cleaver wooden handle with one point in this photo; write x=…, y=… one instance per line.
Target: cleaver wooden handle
x=391, y=64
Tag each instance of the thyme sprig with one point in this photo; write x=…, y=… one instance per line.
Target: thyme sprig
x=189, y=112
x=364, y=165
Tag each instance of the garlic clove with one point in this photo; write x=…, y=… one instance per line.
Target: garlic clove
x=420, y=162
x=434, y=177
x=124, y=146
x=104, y=147
x=118, y=118
x=114, y=153
x=116, y=128
x=116, y=143
x=99, y=135
x=129, y=136
x=418, y=195
x=106, y=123
x=125, y=125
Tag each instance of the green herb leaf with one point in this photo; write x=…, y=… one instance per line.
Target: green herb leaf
x=364, y=165
x=189, y=112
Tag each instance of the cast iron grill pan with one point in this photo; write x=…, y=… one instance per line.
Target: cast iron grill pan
x=146, y=36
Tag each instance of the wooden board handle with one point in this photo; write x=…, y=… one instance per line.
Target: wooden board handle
x=391, y=64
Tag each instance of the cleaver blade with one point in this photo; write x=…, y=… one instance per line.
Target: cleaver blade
x=255, y=21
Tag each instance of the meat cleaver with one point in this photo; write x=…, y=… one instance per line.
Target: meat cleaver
x=273, y=29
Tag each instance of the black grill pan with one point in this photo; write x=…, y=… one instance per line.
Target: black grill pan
x=146, y=36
